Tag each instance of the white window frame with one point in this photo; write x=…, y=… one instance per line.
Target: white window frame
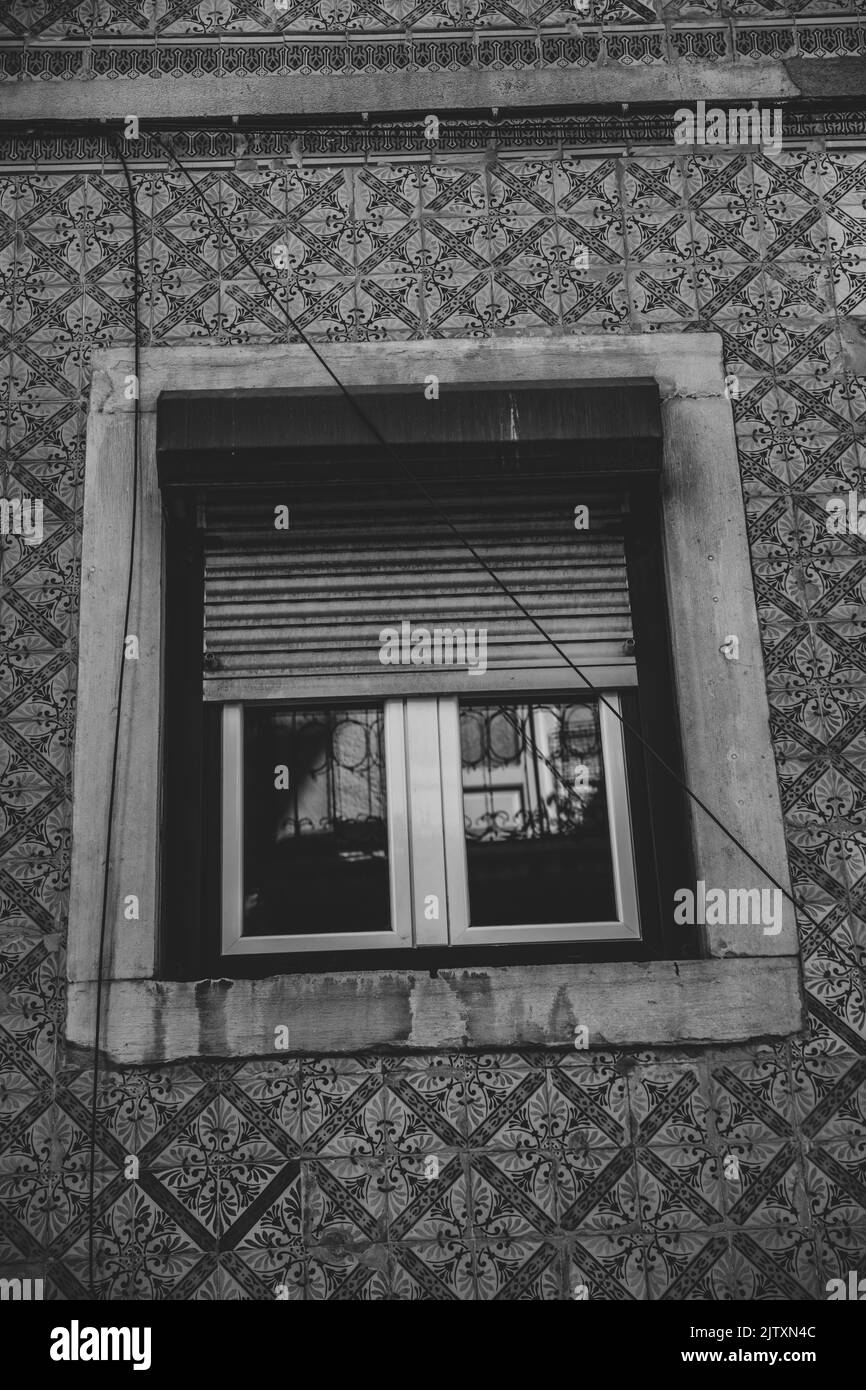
x=625, y=926
x=234, y=943
x=427, y=856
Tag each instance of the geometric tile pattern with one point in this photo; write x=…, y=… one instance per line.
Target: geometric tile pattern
x=81, y=40
x=497, y=38
x=170, y=20
x=731, y=1173
x=516, y=1176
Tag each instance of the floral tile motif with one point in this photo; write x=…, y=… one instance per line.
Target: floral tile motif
x=668, y=1104
x=435, y=1270
x=218, y=1164
x=611, y=1267
x=516, y=1270
x=426, y=1108
x=32, y=1001
x=266, y=1245
x=46, y=1176
x=762, y=1184
x=597, y=1189
x=270, y=1095
x=834, y=1180
x=752, y=1099
x=773, y=1264
x=513, y=1195
x=733, y=1175
x=506, y=1108
x=344, y=1111
x=141, y=1108
x=829, y=1096
x=686, y=1265
x=587, y=1106
x=842, y=1249
x=141, y=1252
x=428, y=1196
x=680, y=1187
x=837, y=996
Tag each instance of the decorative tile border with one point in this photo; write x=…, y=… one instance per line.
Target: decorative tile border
x=251, y=143
x=461, y=45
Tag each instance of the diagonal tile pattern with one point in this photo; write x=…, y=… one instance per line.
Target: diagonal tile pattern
x=734, y=1174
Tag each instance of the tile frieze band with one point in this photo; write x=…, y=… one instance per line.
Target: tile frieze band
x=406, y=138
x=454, y=49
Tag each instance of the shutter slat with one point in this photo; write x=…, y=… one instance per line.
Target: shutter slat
x=312, y=601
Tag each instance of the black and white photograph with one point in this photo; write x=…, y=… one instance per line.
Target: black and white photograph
x=432, y=671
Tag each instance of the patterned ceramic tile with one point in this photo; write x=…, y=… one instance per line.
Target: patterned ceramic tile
x=611, y=1267
x=502, y=1176
x=220, y=1163
x=515, y=1269
x=513, y=1195
x=141, y=1108
x=680, y=1187
x=141, y=1250
x=435, y=1270
x=773, y=1264
x=686, y=1265
x=507, y=1107
x=597, y=1189
x=842, y=1249
x=344, y=1110
x=668, y=1104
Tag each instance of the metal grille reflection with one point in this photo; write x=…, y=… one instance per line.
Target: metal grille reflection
x=315, y=829
x=535, y=813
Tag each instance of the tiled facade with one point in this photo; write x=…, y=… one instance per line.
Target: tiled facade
x=554, y=1169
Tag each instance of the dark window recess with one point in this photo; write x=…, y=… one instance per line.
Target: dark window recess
x=535, y=813
x=350, y=845
x=315, y=830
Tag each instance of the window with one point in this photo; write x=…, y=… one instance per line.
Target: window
x=159, y=973
x=547, y=833
x=517, y=814
x=404, y=761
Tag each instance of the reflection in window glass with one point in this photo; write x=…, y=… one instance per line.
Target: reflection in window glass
x=315, y=828
x=535, y=814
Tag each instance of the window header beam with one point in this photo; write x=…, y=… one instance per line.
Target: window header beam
x=201, y=438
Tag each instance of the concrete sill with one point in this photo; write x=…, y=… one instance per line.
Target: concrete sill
x=652, y=1003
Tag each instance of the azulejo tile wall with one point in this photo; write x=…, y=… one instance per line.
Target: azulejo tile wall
x=611, y=1170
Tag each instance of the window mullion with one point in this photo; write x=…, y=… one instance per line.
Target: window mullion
x=619, y=813
x=397, y=794
x=232, y=830
x=454, y=830
x=423, y=775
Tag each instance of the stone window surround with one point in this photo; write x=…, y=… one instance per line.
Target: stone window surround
x=748, y=985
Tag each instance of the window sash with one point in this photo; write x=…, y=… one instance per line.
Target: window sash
x=626, y=925
x=427, y=857
x=234, y=943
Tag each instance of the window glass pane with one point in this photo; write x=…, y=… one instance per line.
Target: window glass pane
x=535, y=814
x=315, y=827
